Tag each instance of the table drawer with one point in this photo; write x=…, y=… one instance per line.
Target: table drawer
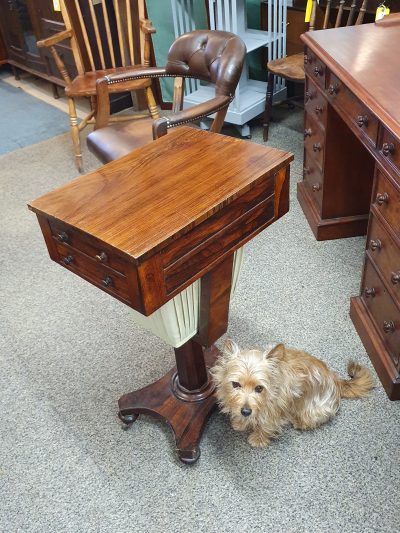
x=386, y=200
x=313, y=177
x=315, y=103
x=314, y=139
x=355, y=111
x=106, y=278
x=389, y=147
x=383, y=310
x=315, y=68
x=89, y=246
x=385, y=253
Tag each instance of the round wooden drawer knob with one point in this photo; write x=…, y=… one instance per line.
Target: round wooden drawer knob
x=307, y=132
x=387, y=149
x=389, y=326
x=317, y=147
x=318, y=71
x=333, y=89
x=395, y=279
x=375, y=245
x=362, y=120
x=62, y=236
x=316, y=187
x=382, y=198
x=68, y=260
x=101, y=257
x=107, y=281
x=369, y=292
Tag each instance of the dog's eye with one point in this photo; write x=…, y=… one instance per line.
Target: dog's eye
x=236, y=385
x=259, y=388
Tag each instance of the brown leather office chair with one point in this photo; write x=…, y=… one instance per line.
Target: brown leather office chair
x=292, y=67
x=211, y=56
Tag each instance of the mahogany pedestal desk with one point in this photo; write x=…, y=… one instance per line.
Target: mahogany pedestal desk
x=352, y=170
x=146, y=226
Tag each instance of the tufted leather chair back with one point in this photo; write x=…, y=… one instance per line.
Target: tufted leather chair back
x=209, y=55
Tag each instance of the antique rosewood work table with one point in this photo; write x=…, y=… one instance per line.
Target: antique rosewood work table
x=146, y=226
x=352, y=170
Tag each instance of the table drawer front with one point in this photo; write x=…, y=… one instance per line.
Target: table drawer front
x=386, y=200
x=389, y=148
x=89, y=246
x=355, y=111
x=385, y=253
x=314, y=139
x=383, y=310
x=315, y=103
x=315, y=68
x=212, y=248
x=103, y=277
x=313, y=177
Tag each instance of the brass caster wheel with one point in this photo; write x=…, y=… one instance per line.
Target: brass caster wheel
x=127, y=420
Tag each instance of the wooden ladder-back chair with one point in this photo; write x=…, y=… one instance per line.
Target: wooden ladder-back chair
x=212, y=56
x=107, y=37
x=292, y=67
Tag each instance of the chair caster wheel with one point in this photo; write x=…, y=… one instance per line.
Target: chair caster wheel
x=127, y=420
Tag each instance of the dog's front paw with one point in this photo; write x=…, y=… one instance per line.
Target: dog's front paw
x=258, y=439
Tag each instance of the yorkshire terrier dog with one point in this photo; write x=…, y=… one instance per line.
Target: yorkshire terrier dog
x=263, y=391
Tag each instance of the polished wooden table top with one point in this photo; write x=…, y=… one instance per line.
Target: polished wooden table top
x=366, y=59
x=153, y=195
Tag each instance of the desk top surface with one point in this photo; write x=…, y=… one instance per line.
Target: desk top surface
x=367, y=59
x=161, y=190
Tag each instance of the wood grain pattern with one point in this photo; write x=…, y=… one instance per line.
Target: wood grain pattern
x=353, y=54
x=140, y=191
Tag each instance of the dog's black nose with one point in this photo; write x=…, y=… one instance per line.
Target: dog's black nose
x=245, y=411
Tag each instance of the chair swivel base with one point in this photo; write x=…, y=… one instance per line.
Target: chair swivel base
x=185, y=411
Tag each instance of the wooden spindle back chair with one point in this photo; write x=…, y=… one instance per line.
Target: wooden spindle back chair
x=107, y=37
x=292, y=67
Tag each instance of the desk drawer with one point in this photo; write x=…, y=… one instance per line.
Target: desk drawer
x=386, y=200
x=383, y=310
x=385, y=253
x=389, y=147
x=315, y=103
x=314, y=139
x=355, y=111
x=315, y=68
x=89, y=246
x=313, y=177
x=107, y=279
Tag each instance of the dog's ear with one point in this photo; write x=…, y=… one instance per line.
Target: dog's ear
x=278, y=352
x=230, y=348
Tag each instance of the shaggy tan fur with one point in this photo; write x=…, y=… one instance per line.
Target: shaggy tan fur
x=263, y=391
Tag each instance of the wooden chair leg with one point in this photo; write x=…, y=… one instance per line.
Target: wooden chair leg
x=15, y=72
x=151, y=102
x=268, y=105
x=75, y=134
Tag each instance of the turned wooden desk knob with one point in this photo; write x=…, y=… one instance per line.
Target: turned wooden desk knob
x=307, y=132
x=316, y=187
x=62, y=236
x=382, y=198
x=102, y=257
x=319, y=109
x=395, y=279
x=317, y=147
x=333, y=89
x=375, y=245
x=387, y=149
x=318, y=71
x=107, y=281
x=369, y=292
x=362, y=120
x=389, y=326
x=68, y=260
x=308, y=96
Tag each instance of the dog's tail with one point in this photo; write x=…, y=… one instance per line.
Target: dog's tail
x=359, y=384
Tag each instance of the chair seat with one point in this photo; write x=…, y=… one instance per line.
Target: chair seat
x=120, y=138
x=85, y=84
x=290, y=67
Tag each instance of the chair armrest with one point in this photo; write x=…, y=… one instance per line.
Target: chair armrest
x=54, y=39
x=132, y=75
x=196, y=112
